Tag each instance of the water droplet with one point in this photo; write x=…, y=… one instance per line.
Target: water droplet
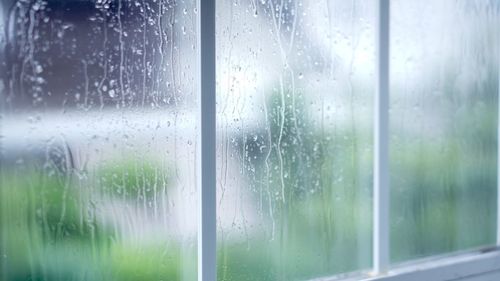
x=38, y=69
x=36, y=6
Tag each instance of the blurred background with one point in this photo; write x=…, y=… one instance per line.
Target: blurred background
x=98, y=136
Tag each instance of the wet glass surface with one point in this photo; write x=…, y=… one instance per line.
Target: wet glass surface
x=294, y=87
x=443, y=143
x=98, y=140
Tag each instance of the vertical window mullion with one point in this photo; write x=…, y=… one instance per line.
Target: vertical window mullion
x=381, y=144
x=207, y=143
x=498, y=154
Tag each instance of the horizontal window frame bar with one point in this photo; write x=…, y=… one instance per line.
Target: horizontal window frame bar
x=468, y=266
x=446, y=269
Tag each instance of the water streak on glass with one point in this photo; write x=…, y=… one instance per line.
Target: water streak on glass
x=98, y=103
x=295, y=83
x=444, y=108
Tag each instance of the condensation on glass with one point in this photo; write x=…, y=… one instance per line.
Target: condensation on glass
x=295, y=84
x=444, y=107
x=98, y=139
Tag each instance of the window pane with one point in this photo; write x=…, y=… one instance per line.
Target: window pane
x=295, y=85
x=98, y=140
x=444, y=74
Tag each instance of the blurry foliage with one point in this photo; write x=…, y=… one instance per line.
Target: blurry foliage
x=315, y=186
x=443, y=189
x=50, y=231
x=132, y=180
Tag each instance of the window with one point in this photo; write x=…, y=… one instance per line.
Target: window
x=444, y=101
x=294, y=116
x=249, y=140
x=98, y=140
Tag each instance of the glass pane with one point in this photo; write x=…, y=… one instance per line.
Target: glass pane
x=98, y=140
x=444, y=106
x=295, y=85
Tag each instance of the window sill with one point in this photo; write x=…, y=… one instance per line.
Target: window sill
x=477, y=266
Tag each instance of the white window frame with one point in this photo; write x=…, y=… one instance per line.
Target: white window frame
x=473, y=266
x=207, y=233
